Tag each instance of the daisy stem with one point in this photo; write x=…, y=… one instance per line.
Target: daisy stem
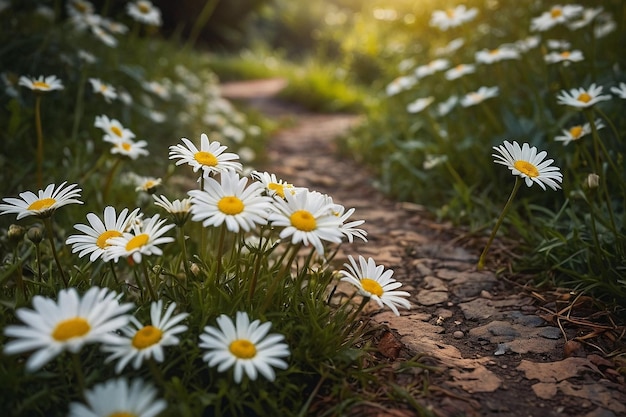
x=112, y=265
x=78, y=112
x=78, y=370
x=156, y=372
x=50, y=232
x=481, y=260
x=220, y=250
x=183, y=244
x=279, y=277
x=38, y=257
x=39, y=140
x=20, y=279
x=257, y=267
x=109, y=180
x=148, y=283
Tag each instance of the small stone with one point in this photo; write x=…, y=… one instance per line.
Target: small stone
x=486, y=294
x=458, y=334
x=550, y=333
x=498, y=329
x=502, y=348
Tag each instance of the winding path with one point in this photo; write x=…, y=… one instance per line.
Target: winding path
x=501, y=352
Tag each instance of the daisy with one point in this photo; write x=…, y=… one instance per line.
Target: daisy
x=308, y=218
x=476, y=97
x=116, y=397
x=127, y=147
x=582, y=98
x=452, y=17
x=232, y=201
x=446, y=107
x=374, y=282
x=432, y=67
x=489, y=56
x=139, y=342
x=147, y=184
x=67, y=324
x=419, y=104
x=577, y=132
x=604, y=25
x=95, y=236
x=528, y=164
x=143, y=11
x=113, y=127
x=400, y=84
x=107, y=91
x=109, y=40
x=349, y=229
x=588, y=16
x=157, y=88
x=526, y=44
x=620, y=91
x=564, y=56
x=79, y=7
x=557, y=15
x=41, y=83
x=246, y=346
x=44, y=203
x=452, y=46
x=210, y=157
x=179, y=210
x=143, y=239
x=273, y=186
x=459, y=71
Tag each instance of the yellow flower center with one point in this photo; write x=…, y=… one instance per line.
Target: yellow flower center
x=565, y=54
x=494, y=51
x=243, y=349
x=146, y=337
x=101, y=242
x=205, y=158
x=144, y=7
x=138, y=241
x=576, y=131
x=42, y=85
x=556, y=12
x=460, y=67
x=230, y=205
x=117, y=131
x=527, y=168
x=450, y=13
x=70, y=328
x=584, y=97
x=372, y=286
x=277, y=188
x=303, y=220
x=126, y=146
x=122, y=414
x=42, y=204
x=103, y=88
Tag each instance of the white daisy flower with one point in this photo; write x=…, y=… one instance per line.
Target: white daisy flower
x=373, y=281
x=67, y=324
x=109, y=40
x=588, y=16
x=107, y=91
x=143, y=240
x=246, y=346
x=564, y=56
x=127, y=147
x=526, y=44
x=231, y=201
x=577, y=132
x=41, y=83
x=273, y=186
x=452, y=17
x=526, y=163
x=147, y=184
x=211, y=157
x=452, y=46
x=489, y=56
x=605, y=24
x=179, y=210
x=446, y=107
x=419, y=104
x=432, y=67
x=308, y=218
x=582, y=98
x=557, y=15
x=400, y=84
x=620, y=90
x=158, y=89
x=42, y=204
x=476, y=97
x=139, y=342
x=79, y=7
x=459, y=71
x=95, y=236
x=116, y=397
x=349, y=229
x=144, y=11
x=113, y=127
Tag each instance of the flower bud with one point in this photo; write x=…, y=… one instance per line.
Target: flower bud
x=16, y=233
x=592, y=181
x=35, y=234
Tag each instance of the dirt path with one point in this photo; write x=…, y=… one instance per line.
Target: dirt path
x=502, y=350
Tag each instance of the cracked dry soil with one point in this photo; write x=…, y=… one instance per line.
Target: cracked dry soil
x=502, y=348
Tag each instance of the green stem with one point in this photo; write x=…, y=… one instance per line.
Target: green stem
x=183, y=244
x=481, y=260
x=109, y=180
x=50, y=232
x=148, y=283
x=285, y=267
x=78, y=370
x=38, y=257
x=257, y=267
x=20, y=278
x=200, y=22
x=220, y=251
x=39, y=141
x=78, y=112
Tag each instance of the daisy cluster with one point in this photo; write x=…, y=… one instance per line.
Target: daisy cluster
x=257, y=208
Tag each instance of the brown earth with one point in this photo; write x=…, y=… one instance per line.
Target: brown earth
x=500, y=347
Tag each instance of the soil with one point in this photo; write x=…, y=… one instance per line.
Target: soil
x=499, y=346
